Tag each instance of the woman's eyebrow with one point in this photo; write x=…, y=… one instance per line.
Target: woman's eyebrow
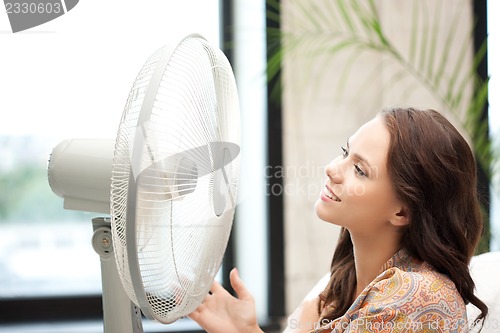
x=359, y=157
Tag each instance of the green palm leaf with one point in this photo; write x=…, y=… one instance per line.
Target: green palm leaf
x=325, y=29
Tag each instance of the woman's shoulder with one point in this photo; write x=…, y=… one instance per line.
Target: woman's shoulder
x=420, y=292
x=425, y=284
x=404, y=276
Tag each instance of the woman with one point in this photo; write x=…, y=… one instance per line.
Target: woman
x=404, y=193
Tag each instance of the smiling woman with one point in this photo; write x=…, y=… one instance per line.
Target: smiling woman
x=429, y=216
x=356, y=190
x=402, y=260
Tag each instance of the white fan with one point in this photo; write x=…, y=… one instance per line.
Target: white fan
x=169, y=181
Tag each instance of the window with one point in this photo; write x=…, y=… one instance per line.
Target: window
x=494, y=116
x=69, y=78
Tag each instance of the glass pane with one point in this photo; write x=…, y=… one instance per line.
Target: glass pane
x=70, y=78
x=494, y=116
x=44, y=250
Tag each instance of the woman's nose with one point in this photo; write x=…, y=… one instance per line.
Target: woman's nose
x=334, y=171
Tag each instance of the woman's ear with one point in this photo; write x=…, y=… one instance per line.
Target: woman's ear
x=400, y=218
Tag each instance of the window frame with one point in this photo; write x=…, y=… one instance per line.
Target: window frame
x=73, y=308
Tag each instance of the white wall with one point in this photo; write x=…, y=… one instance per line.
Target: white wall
x=318, y=120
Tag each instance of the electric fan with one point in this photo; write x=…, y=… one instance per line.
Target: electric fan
x=169, y=182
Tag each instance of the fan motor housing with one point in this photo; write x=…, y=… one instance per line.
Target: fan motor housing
x=79, y=171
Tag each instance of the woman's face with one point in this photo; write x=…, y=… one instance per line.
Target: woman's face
x=358, y=193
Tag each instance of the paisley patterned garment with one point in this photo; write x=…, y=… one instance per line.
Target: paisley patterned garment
x=408, y=296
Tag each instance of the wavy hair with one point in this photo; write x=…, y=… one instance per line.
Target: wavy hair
x=433, y=173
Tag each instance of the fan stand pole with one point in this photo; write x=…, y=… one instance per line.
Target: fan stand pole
x=120, y=314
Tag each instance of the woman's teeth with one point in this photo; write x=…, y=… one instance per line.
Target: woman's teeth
x=329, y=194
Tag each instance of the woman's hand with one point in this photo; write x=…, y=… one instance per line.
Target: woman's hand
x=221, y=312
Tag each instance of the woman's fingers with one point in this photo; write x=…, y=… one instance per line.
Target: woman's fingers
x=216, y=288
x=222, y=312
x=196, y=314
x=238, y=285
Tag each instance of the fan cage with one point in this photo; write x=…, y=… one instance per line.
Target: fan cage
x=179, y=238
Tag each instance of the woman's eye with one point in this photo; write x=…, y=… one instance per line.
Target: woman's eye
x=344, y=152
x=359, y=171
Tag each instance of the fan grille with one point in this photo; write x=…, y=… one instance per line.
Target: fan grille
x=180, y=237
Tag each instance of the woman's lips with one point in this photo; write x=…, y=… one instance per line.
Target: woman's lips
x=328, y=193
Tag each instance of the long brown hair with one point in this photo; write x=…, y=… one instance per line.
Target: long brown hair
x=433, y=173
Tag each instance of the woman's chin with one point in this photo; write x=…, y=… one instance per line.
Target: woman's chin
x=323, y=215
